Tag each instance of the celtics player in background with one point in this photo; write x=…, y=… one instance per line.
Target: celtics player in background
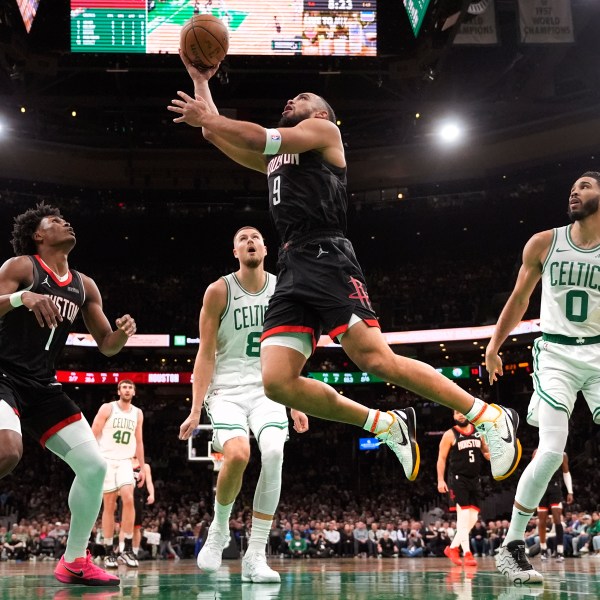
x=463, y=447
x=320, y=285
x=118, y=429
x=40, y=297
x=566, y=357
x=227, y=382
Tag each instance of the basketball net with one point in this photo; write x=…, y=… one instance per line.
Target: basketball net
x=217, y=459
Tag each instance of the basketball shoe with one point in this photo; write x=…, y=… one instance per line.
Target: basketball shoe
x=512, y=562
x=453, y=555
x=501, y=438
x=111, y=561
x=129, y=558
x=469, y=560
x=401, y=437
x=211, y=555
x=84, y=572
x=256, y=569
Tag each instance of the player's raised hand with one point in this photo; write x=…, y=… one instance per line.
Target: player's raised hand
x=188, y=426
x=300, y=421
x=126, y=324
x=43, y=307
x=193, y=111
x=198, y=74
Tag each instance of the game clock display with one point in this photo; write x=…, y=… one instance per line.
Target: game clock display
x=258, y=28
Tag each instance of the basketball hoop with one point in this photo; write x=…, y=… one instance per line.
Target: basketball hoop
x=217, y=459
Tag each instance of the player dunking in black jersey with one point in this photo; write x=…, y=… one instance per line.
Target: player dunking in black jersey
x=40, y=298
x=320, y=285
x=465, y=451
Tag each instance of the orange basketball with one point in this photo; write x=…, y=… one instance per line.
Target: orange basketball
x=204, y=40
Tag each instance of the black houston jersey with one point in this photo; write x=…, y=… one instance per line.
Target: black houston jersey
x=465, y=454
x=28, y=350
x=306, y=195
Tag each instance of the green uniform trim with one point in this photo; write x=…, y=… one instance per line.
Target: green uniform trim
x=570, y=341
x=547, y=398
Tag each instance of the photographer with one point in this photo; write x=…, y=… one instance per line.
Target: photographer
x=414, y=546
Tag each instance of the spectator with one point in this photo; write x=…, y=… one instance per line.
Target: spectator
x=386, y=547
x=415, y=545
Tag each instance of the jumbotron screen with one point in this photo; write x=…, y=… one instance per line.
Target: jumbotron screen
x=256, y=27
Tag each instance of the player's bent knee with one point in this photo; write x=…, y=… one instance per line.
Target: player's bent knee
x=546, y=464
x=11, y=451
x=276, y=388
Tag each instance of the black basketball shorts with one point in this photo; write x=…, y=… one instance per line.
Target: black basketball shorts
x=320, y=285
x=43, y=409
x=552, y=497
x=465, y=491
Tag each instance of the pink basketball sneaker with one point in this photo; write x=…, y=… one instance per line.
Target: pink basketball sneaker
x=83, y=571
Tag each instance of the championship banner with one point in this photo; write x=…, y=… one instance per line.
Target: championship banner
x=546, y=22
x=480, y=30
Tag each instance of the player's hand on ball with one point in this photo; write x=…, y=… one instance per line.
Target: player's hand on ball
x=127, y=325
x=188, y=426
x=197, y=73
x=300, y=421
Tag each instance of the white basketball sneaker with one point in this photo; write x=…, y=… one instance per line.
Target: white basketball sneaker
x=401, y=437
x=512, y=562
x=256, y=569
x=211, y=554
x=501, y=438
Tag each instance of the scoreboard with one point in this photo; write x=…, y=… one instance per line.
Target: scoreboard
x=259, y=27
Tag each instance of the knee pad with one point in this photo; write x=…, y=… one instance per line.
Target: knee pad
x=546, y=463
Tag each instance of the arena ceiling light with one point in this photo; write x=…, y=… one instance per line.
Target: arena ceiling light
x=450, y=132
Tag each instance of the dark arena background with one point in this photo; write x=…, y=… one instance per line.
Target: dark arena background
x=461, y=142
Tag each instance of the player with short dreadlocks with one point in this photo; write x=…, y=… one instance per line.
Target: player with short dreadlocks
x=40, y=297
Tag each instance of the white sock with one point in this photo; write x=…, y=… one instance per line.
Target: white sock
x=518, y=523
x=222, y=514
x=481, y=411
x=377, y=421
x=259, y=536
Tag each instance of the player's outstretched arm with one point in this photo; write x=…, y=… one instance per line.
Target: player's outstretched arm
x=109, y=341
x=214, y=303
x=534, y=254
x=445, y=446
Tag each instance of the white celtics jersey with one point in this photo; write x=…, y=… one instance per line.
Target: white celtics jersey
x=117, y=440
x=570, y=288
x=238, y=338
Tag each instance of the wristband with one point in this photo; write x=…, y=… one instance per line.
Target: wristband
x=16, y=300
x=273, y=141
x=568, y=481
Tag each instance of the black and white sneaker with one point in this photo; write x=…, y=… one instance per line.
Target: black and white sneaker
x=129, y=558
x=512, y=562
x=401, y=437
x=110, y=561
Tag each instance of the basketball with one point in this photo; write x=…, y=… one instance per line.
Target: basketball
x=204, y=40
